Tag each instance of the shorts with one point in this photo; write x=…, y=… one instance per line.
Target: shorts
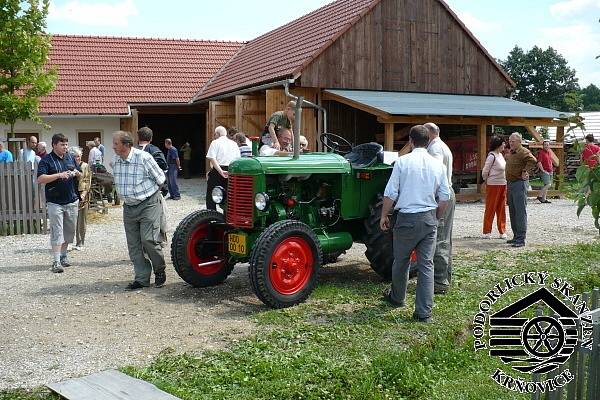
x=546, y=178
x=63, y=221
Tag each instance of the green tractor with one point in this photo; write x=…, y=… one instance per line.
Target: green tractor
x=286, y=217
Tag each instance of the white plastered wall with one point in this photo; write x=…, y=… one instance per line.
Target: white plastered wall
x=70, y=127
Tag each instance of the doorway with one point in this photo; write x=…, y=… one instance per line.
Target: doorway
x=83, y=138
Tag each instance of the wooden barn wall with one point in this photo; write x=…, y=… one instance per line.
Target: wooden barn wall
x=354, y=125
x=276, y=100
x=406, y=45
x=250, y=114
x=219, y=113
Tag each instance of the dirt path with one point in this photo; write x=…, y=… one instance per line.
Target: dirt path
x=61, y=325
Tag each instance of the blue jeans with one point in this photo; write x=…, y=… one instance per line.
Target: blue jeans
x=172, y=181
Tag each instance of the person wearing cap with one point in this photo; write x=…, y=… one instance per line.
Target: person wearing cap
x=544, y=163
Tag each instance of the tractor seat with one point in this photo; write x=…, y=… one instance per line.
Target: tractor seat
x=365, y=155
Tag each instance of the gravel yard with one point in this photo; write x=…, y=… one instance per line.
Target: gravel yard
x=57, y=326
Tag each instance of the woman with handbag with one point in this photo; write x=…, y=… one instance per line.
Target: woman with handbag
x=495, y=193
x=84, y=184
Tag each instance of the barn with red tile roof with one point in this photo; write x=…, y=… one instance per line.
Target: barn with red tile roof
x=337, y=57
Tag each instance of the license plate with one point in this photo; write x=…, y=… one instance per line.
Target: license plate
x=237, y=243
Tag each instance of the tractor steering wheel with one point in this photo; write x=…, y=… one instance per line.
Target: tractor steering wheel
x=335, y=143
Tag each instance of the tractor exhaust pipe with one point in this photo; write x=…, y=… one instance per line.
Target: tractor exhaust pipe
x=297, y=126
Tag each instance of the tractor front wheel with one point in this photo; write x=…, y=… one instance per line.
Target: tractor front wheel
x=198, y=249
x=380, y=251
x=284, y=264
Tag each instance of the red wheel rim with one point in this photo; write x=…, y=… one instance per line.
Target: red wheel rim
x=198, y=235
x=291, y=265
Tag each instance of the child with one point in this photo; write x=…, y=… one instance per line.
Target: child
x=240, y=139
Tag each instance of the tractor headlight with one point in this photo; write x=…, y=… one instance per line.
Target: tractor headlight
x=218, y=194
x=261, y=201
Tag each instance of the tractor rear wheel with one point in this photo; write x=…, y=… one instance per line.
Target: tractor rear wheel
x=380, y=250
x=198, y=249
x=284, y=264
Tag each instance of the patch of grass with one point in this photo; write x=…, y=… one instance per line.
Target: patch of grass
x=345, y=343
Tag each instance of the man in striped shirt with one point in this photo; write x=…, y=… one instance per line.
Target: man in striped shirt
x=138, y=178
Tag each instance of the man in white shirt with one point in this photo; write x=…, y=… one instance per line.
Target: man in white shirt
x=28, y=154
x=419, y=187
x=442, y=260
x=284, y=137
x=95, y=156
x=221, y=153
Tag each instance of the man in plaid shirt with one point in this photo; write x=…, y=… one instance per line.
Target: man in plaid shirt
x=138, y=178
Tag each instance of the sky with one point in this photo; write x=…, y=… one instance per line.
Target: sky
x=569, y=26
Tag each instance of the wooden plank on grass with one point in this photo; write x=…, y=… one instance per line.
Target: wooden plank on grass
x=109, y=385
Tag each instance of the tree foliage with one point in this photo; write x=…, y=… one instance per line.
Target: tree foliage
x=588, y=191
x=543, y=78
x=24, y=48
x=591, y=98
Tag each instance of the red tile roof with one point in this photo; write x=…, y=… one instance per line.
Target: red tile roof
x=282, y=52
x=100, y=75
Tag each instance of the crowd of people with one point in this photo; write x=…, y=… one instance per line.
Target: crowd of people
x=420, y=193
x=418, y=207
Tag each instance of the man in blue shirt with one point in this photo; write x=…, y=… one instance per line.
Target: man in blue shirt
x=419, y=188
x=174, y=168
x=5, y=155
x=58, y=171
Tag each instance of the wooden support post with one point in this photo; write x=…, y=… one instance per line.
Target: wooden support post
x=389, y=137
x=481, y=152
x=239, y=112
x=560, y=138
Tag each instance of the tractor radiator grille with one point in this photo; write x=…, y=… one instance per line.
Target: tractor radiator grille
x=240, y=201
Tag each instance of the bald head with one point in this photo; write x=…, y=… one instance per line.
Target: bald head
x=432, y=130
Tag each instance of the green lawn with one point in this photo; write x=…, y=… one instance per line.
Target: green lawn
x=347, y=344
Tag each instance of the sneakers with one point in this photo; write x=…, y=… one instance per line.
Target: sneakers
x=134, y=285
x=79, y=247
x=160, y=279
x=539, y=199
x=57, y=268
x=487, y=236
x=502, y=236
x=64, y=263
x=518, y=244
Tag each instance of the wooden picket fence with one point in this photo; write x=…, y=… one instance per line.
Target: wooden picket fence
x=584, y=363
x=22, y=202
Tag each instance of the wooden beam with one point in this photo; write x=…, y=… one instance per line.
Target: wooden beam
x=560, y=137
x=404, y=150
x=481, y=152
x=534, y=133
x=239, y=111
x=389, y=137
x=458, y=120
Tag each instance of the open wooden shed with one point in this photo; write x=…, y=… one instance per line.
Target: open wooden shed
x=372, y=65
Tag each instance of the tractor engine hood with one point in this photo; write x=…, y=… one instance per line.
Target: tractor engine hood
x=312, y=163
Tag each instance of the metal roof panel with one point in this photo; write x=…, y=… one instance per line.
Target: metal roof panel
x=408, y=103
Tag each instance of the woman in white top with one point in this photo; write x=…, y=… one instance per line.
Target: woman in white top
x=495, y=192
